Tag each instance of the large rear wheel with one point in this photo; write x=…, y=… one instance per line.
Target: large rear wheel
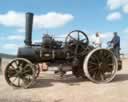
x=100, y=65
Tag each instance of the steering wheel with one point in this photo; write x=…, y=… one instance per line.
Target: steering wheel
x=77, y=40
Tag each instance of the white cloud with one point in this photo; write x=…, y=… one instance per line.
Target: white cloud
x=125, y=8
x=114, y=16
x=115, y=4
x=21, y=30
x=2, y=37
x=52, y=20
x=12, y=19
x=107, y=35
x=125, y=30
x=49, y=20
x=10, y=46
x=15, y=37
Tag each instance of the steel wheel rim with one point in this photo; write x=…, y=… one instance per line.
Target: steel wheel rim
x=101, y=73
x=22, y=76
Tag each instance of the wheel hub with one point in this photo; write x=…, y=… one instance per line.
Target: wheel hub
x=20, y=74
x=102, y=65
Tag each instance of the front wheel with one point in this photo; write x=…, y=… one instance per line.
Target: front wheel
x=20, y=73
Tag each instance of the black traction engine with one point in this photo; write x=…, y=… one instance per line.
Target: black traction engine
x=74, y=54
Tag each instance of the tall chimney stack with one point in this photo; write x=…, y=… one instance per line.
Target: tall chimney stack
x=28, y=29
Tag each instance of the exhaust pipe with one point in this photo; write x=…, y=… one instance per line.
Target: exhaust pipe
x=28, y=29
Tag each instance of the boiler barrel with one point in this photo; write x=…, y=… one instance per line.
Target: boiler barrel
x=28, y=29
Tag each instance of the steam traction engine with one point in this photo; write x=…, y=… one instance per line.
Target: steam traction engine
x=98, y=65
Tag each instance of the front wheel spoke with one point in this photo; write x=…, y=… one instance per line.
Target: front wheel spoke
x=11, y=72
x=26, y=66
x=27, y=80
x=18, y=81
x=15, y=63
x=12, y=66
x=10, y=75
x=26, y=72
x=22, y=64
x=14, y=79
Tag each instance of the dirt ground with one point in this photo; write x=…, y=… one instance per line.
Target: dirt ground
x=50, y=88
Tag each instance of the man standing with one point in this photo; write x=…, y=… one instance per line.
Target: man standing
x=116, y=44
x=97, y=42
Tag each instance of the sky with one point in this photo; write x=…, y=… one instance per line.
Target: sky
x=59, y=17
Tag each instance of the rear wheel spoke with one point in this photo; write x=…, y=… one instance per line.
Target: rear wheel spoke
x=92, y=63
x=92, y=70
x=102, y=76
